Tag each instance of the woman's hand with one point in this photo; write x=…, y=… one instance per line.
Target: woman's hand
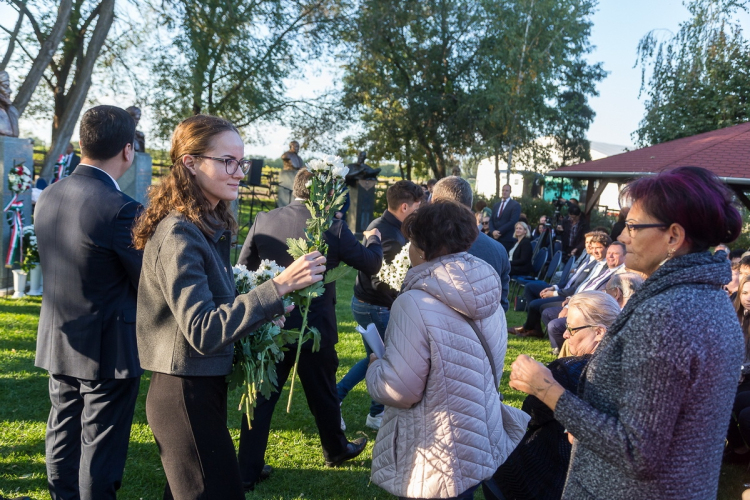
x=373, y=358
x=534, y=378
x=371, y=232
x=303, y=272
x=282, y=319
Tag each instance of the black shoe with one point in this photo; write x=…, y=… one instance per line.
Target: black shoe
x=265, y=473
x=353, y=449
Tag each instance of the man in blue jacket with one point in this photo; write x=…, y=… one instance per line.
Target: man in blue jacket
x=505, y=214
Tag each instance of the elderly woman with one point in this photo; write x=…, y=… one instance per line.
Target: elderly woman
x=536, y=468
x=622, y=286
x=648, y=418
x=521, y=253
x=443, y=425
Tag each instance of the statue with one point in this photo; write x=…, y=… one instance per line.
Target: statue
x=8, y=112
x=292, y=161
x=140, y=139
x=360, y=170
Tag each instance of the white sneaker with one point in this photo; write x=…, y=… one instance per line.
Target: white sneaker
x=374, y=422
x=343, y=424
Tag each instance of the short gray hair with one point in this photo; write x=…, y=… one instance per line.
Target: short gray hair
x=597, y=307
x=627, y=283
x=453, y=188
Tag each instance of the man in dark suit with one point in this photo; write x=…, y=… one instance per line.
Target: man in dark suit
x=317, y=370
x=596, y=270
x=86, y=337
x=505, y=214
x=72, y=160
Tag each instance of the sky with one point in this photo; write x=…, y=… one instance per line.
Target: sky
x=617, y=27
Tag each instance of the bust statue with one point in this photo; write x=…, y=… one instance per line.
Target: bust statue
x=8, y=112
x=361, y=170
x=292, y=161
x=140, y=139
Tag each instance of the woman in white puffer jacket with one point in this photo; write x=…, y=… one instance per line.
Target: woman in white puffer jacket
x=443, y=431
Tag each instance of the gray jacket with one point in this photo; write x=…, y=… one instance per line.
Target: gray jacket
x=188, y=317
x=657, y=394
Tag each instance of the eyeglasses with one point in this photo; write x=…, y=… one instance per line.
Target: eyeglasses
x=230, y=164
x=634, y=227
x=573, y=331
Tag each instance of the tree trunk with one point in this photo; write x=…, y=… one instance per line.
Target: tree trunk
x=65, y=123
x=44, y=57
x=497, y=173
x=510, y=161
x=12, y=41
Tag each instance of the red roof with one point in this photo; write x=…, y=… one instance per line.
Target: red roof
x=725, y=152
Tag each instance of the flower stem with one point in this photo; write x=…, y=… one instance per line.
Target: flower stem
x=306, y=309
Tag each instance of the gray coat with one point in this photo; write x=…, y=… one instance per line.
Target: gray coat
x=656, y=396
x=188, y=316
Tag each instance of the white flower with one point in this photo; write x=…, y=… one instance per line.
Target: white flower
x=339, y=171
x=317, y=165
x=393, y=274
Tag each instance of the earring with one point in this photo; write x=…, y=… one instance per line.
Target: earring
x=421, y=257
x=670, y=253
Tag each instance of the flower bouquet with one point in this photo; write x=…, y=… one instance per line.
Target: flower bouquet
x=19, y=180
x=327, y=195
x=393, y=274
x=255, y=356
x=31, y=250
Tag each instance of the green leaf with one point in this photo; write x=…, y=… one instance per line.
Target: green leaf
x=297, y=247
x=336, y=273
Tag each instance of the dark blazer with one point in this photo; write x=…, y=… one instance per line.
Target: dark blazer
x=579, y=238
x=87, y=323
x=506, y=222
x=188, y=316
x=520, y=264
x=267, y=240
x=74, y=161
x=368, y=288
x=570, y=290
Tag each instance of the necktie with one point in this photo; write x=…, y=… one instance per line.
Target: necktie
x=502, y=207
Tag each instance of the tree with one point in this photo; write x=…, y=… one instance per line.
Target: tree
x=700, y=80
x=231, y=57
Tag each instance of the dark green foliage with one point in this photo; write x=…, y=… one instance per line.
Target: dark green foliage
x=700, y=78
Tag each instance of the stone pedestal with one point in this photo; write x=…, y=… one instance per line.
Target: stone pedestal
x=285, y=187
x=13, y=151
x=137, y=179
x=362, y=206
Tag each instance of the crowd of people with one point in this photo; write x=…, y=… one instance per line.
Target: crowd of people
x=632, y=408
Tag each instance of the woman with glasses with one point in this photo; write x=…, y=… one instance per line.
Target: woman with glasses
x=536, y=469
x=188, y=313
x=650, y=418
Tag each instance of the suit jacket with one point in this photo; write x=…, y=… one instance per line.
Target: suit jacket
x=520, y=264
x=579, y=239
x=368, y=288
x=570, y=290
x=74, y=161
x=267, y=240
x=507, y=221
x=87, y=323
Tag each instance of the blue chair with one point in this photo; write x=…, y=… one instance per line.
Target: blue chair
x=537, y=268
x=557, y=246
x=533, y=244
x=41, y=183
x=553, y=265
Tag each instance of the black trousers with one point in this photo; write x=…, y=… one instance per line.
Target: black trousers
x=87, y=435
x=188, y=416
x=317, y=372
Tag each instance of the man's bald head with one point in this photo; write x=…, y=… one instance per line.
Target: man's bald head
x=453, y=188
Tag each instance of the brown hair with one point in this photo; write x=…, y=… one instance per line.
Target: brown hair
x=299, y=188
x=743, y=314
x=179, y=191
x=441, y=228
x=403, y=192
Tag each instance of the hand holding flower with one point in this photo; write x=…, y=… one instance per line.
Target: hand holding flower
x=301, y=273
x=532, y=377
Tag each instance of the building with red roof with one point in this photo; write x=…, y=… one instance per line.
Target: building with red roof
x=725, y=152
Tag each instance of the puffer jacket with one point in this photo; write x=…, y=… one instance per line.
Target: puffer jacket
x=442, y=430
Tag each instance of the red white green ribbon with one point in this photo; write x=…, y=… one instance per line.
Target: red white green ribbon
x=60, y=167
x=15, y=247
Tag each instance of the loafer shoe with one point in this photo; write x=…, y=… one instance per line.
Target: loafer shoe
x=353, y=449
x=265, y=473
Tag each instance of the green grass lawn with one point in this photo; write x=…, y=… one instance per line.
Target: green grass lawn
x=294, y=448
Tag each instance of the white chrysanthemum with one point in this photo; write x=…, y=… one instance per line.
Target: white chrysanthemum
x=393, y=274
x=317, y=165
x=339, y=171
